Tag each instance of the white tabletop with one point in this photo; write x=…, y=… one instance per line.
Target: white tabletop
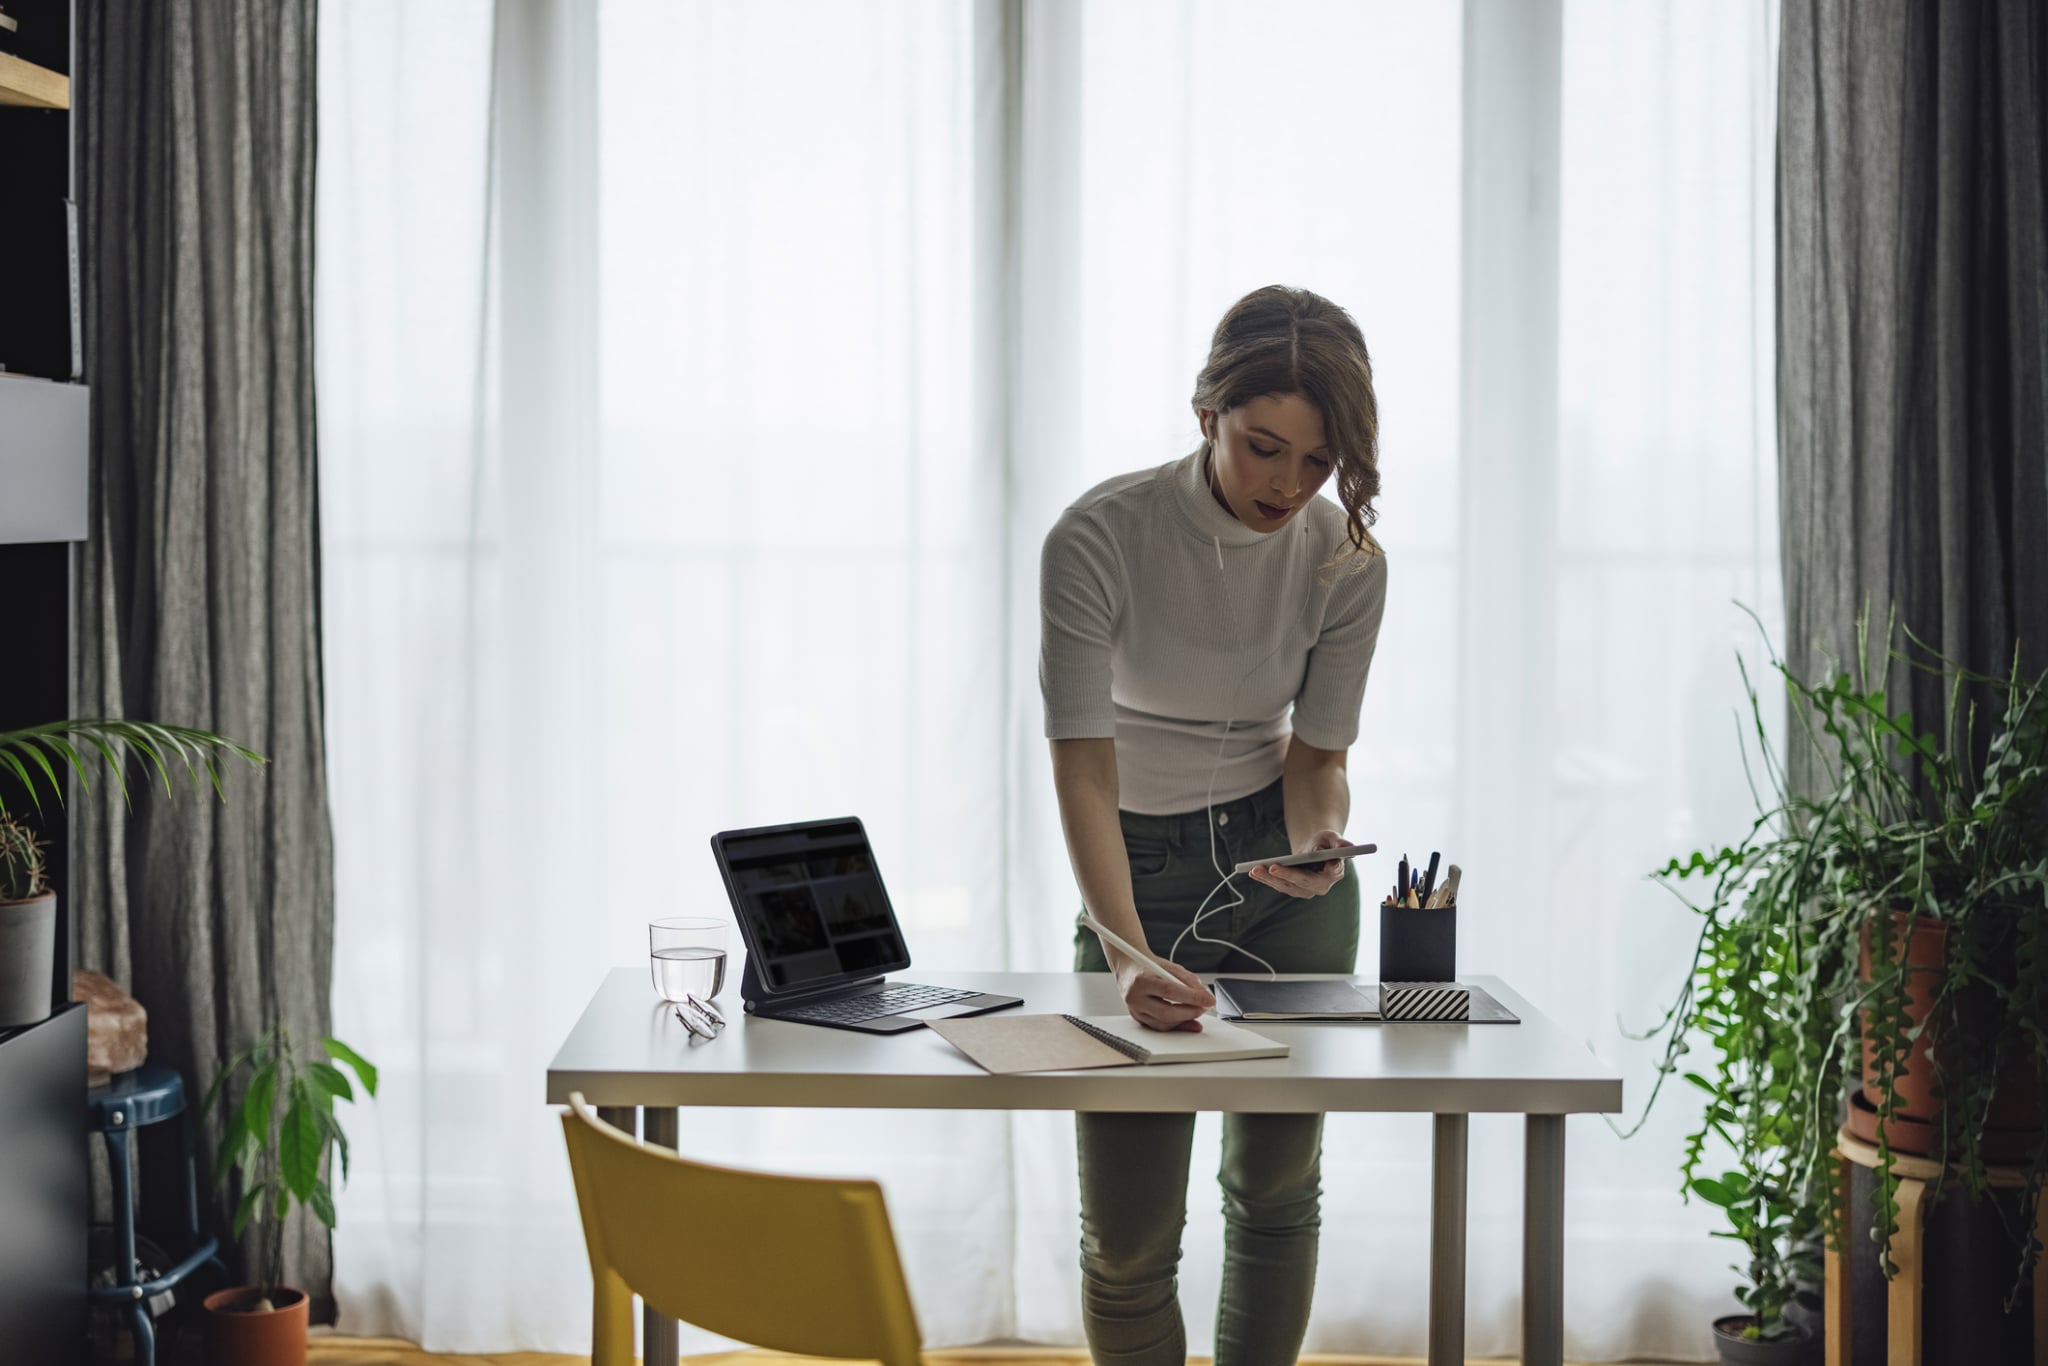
x=630, y=1049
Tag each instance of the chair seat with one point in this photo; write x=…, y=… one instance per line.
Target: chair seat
x=132, y=1099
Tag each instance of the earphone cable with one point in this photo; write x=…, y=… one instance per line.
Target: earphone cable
x=1203, y=912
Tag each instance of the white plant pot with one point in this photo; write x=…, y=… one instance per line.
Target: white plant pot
x=28, y=959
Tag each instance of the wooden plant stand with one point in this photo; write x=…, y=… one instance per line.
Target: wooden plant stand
x=1903, y=1296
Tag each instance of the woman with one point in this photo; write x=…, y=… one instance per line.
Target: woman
x=1185, y=612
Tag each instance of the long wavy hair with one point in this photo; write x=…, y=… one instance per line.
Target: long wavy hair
x=1277, y=341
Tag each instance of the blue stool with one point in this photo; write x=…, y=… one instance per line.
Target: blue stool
x=147, y=1095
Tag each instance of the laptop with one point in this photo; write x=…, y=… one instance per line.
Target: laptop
x=821, y=935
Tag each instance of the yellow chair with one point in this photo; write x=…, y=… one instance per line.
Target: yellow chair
x=791, y=1263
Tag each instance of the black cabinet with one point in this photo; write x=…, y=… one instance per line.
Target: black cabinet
x=44, y=1200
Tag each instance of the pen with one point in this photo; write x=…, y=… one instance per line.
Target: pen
x=1146, y=962
x=1429, y=878
x=1401, y=887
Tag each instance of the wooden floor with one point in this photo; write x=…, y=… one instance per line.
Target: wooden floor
x=340, y=1351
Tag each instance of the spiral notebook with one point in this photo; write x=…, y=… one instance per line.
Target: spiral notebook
x=1059, y=1043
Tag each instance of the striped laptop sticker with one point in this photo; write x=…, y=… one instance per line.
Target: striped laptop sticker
x=1424, y=1001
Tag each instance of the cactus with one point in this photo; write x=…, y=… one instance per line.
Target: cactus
x=21, y=862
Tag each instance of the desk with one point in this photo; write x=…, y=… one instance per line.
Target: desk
x=629, y=1052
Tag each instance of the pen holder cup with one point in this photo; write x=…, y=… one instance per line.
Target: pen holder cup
x=1418, y=945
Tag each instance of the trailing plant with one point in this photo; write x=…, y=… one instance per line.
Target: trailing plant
x=1907, y=823
x=22, y=875
x=276, y=1131
x=41, y=752
x=1753, y=1097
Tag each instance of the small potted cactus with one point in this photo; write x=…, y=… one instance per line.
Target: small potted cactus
x=28, y=927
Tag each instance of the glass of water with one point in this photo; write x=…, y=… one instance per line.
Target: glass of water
x=687, y=956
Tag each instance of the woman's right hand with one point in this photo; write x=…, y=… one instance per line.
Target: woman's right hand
x=1156, y=1005
x=1084, y=776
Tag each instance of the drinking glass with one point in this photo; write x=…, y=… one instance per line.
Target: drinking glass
x=686, y=954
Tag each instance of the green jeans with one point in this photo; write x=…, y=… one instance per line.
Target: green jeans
x=1134, y=1167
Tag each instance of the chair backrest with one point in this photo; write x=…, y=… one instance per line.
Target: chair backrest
x=792, y=1263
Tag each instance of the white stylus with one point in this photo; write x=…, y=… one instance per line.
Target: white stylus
x=1145, y=961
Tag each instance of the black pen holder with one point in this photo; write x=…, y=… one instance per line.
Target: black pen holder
x=1418, y=945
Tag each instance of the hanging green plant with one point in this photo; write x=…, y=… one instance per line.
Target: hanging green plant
x=1880, y=948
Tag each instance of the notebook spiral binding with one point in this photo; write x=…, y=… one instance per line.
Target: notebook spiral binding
x=1123, y=1046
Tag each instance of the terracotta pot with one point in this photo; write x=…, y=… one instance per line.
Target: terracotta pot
x=266, y=1337
x=1738, y=1351
x=2003, y=1147
x=2015, y=1112
x=1924, y=944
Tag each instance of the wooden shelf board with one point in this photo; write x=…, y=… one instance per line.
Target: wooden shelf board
x=32, y=86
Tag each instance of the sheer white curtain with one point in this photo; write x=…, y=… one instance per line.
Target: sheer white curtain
x=651, y=511
x=1178, y=155
x=697, y=381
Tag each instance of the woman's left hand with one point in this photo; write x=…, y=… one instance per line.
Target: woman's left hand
x=1305, y=879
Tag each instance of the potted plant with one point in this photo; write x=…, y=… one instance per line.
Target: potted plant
x=28, y=926
x=1899, y=919
x=1756, y=1091
x=35, y=757
x=276, y=1130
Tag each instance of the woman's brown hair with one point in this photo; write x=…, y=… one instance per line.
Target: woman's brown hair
x=1277, y=341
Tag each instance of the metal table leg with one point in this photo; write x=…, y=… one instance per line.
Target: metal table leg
x=1543, y=1242
x=1447, y=1243
x=657, y=1330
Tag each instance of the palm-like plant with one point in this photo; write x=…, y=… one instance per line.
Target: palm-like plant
x=276, y=1134
x=42, y=752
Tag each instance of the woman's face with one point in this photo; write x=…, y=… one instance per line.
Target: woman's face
x=1269, y=458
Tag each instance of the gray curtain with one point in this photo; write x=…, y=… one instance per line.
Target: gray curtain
x=200, y=596
x=1913, y=332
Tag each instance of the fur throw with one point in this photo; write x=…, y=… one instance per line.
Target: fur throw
x=116, y=1026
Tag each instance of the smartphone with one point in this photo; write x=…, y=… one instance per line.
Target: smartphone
x=1312, y=858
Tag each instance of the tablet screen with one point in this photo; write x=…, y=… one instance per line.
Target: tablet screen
x=814, y=903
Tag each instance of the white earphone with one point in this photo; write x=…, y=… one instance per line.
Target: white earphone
x=1203, y=911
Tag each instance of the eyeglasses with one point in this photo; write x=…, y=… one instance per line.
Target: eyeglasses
x=700, y=1017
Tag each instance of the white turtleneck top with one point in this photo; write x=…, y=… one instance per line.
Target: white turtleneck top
x=1163, y=618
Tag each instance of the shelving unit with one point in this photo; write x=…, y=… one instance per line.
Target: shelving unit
x=45, y=1200
x=28, y=86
